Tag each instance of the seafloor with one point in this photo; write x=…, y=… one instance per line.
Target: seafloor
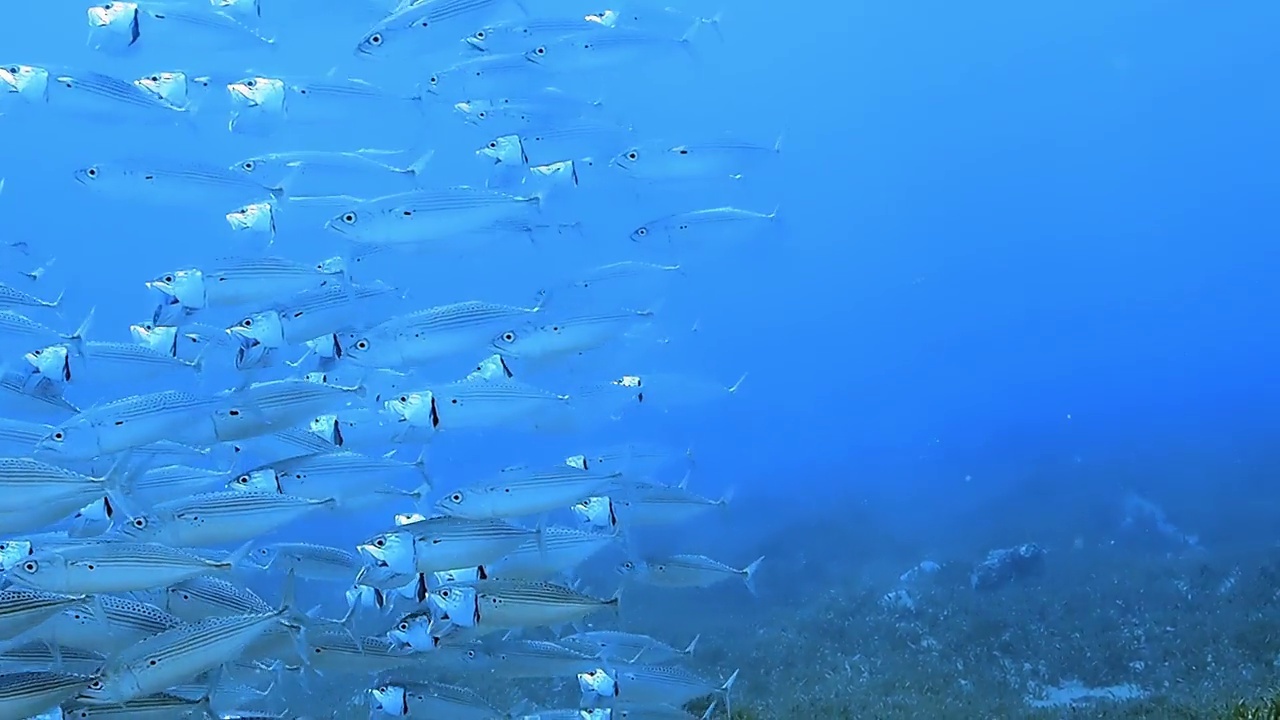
x=1113, y=627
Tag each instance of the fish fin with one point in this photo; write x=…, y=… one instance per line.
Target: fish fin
x=750, y=573
x=236, y=557
x=726, y=498
x=684, y=481
x=615, y=601
x=777, y=147
x=711, y=710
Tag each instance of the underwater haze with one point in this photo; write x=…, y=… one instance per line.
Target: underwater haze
x=571, y=360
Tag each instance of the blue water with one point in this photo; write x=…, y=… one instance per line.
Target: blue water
x=1027, y=255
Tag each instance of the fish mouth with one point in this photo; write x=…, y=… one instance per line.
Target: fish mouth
x=99, y=17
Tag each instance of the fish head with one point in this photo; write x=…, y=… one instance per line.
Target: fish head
x=413, y=632
x=327, y=428
x=348, y=222
x=393, y=549
x=108, y=688
x=596, y=512
x=73, y=441
x=362, y=350
x=418, y=409
x=242, y=9
x=92, y=520
x=185, y=286
x=641, y=234
x=41, y=570
x=112, y=15
x=27, y=81
x=491, y=368
x=608, y=18
x=143, y=527
x=263, y=328
x=259, y=217
x=12, y=552
x=94, y=176
x=372, y=43
x=504, y=150
x=464, y=503
x=170, y=87
x=53, y=361
x=263, y=556
x=258, y=92
x=390, y=700
x=479, y=40
x=161, y=338
x=597, y=683
x=632, y=568
x=455, y=603
x=474, y=112
x=539, y=54
x=260, y=480
x=460, y=575
x=626, y=160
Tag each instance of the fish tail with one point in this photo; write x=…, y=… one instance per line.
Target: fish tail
x=734, y=387
x=419, y=166
x=749, y=574
x=726, y=688
x=688, y=651
x=77, y=338
x=615, y=601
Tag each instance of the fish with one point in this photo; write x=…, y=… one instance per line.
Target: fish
x=486, y=404
x=242, y=281
x=430, y=215
x=511, y=604
x=421, y=26
x=332, y=173
x=21, y=609
x=688, y=571
x=650, y=684
x=519, y=492
x=131, y=422
x=708, y=160
x=98, y=362
x=183, y=183
x=712, y=224
x=308, y=561
x=216, y=518
x=431, y=700
x=174, y=656
x=624, y=647
x=571, y=140
x=310, y=315
x=443, y=543
x=434, y=333
x=107, y=567
x=26, y=694
x=569, y=336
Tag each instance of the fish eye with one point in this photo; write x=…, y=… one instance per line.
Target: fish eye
x=168, y=278
x=380, y=542
x=247, y=322
x=250, y=83
x=91, y=172
x=59, y=436
x=243, y=479
x=37, y=353
x=433, y=80
x=404, y=627
x=509, y=336
x=480, y=35
x=456, y=497
x=482, y=114
x=31, y=566
x=362, y=345
x=471, y=653
x=349, y=218
x=375, y=39
x=248, y=165
x=454, y=401
x=404, y=398
x=540, y=51
x=555, y=328
x=444, y=593
x=633, y=155
x=13, y=69
x=382, y=689
x=155, y=78
x=140, y=523
x=493, y=144
x=95, y=685
x=642, y=232
x=628, y=564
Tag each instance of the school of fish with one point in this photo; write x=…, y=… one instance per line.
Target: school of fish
x=186, y=503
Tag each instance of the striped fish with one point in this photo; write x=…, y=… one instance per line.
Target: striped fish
x=513, y=604
x=113, y=567
x=21, y=610
x=213, y=518
x=23, y=694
